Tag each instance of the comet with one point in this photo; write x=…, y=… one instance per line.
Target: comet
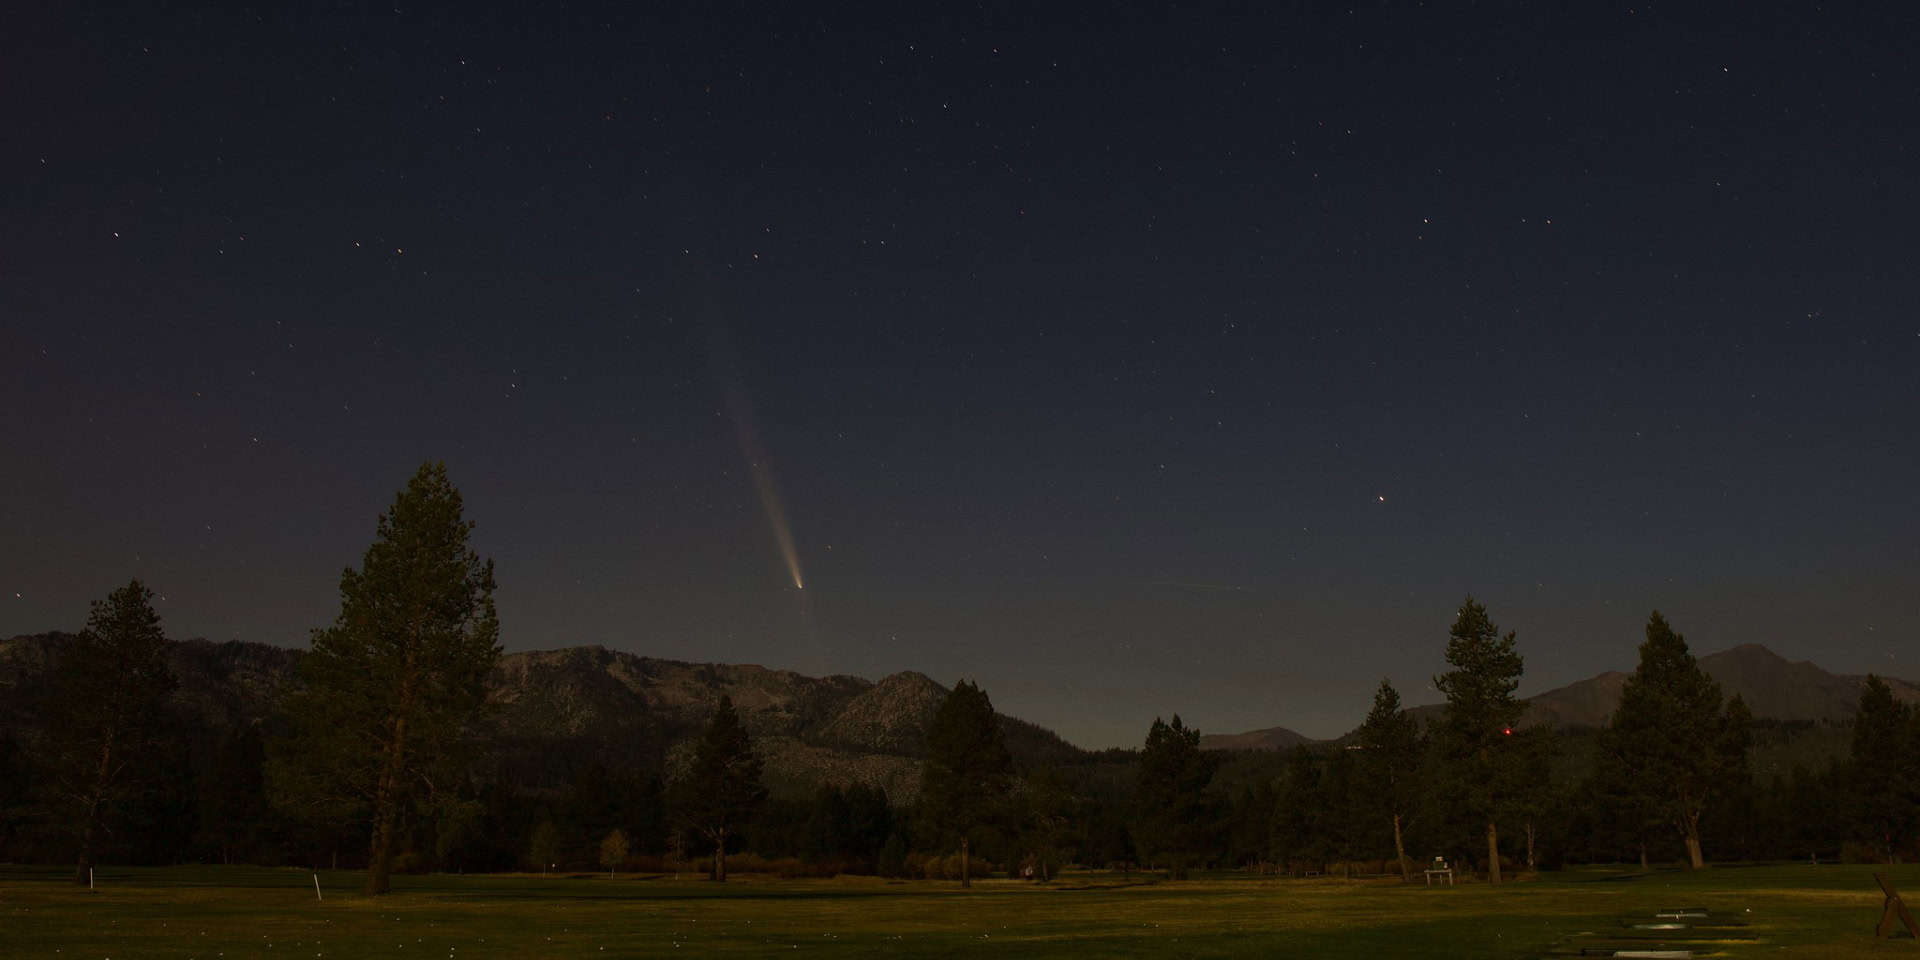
x=760, y=465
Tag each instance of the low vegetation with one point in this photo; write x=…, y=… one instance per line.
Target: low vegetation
x=1823, y=911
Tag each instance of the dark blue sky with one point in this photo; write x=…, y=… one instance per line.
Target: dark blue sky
x=1081, y=350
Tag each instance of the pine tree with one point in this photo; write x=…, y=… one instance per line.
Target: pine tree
x=967, y=775
x=1880, y=781
x=1733, y=806
x=1668, y=734
x=1389, y=742
x=721, y=788
x=112, y=685
x=1048, y=818
x=1532, y=798
x=869, y=821
x=1176, y=810
x=1476, y=750
x=390, y=689
x=1300, y=813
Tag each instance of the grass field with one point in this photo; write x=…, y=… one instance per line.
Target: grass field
x=209, y=912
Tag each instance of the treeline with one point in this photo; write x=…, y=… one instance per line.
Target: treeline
x=1668, y=781
x=378, y=758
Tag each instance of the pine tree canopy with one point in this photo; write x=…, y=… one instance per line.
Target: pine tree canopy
x=114, y=675
x=968, y=771
x=1668, y=737
x=1884, y=773
x=1486, y=672
x=721, y=788
x=1389, y=743
x=1176, y=809
x=390, y=688
x=113, y=682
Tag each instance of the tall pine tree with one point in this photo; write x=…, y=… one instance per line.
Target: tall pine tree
x=1177, y=813
x=1667, y=736
x=1477, y=756
x=112, y=685
x=967, y=775
x=389, y=691
x=721, y=789
x=1885, y=797
x=1389, y=743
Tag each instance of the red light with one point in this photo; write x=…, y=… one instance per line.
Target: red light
x=1507, y=730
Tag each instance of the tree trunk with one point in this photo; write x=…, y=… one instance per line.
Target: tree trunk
x=1690, y=825
x=1400, y=850
x=86, y=846
x=966, y=880
x=1532, y=864
x=379, y=853
x=1643, y=856
x=1493, y=853
x=720, y=857
x=96, y=798
x=386, y=797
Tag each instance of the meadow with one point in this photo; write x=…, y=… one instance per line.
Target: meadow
x=1801, y=910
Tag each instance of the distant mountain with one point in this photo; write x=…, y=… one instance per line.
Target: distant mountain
x=1271, y=738
x=561, y=712
x=221, y=683
x=1775, y=688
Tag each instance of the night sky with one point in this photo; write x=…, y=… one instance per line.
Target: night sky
x=1129, y=363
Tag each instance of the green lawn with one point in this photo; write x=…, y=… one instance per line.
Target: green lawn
x=1793, y=911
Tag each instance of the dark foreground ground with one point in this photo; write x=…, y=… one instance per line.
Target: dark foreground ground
x=214, y=912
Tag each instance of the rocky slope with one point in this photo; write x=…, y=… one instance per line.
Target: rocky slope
x=559, y=712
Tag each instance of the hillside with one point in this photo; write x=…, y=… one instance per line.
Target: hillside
x=1270, y=738
x=561, y=712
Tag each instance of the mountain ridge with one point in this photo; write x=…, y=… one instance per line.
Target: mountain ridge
x=1775, y=688
x=557, y=712
x=562, y=709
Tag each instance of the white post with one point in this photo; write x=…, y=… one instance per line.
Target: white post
x=89, y=878
x=316, y=887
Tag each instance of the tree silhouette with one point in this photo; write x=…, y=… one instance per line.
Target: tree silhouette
x=1389, y=743
x=390, y=689
x=1478, y=764
x=1666, y=736
x=112, y=683
x=967, y=774
x=1176, y=812
x=722, y=788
